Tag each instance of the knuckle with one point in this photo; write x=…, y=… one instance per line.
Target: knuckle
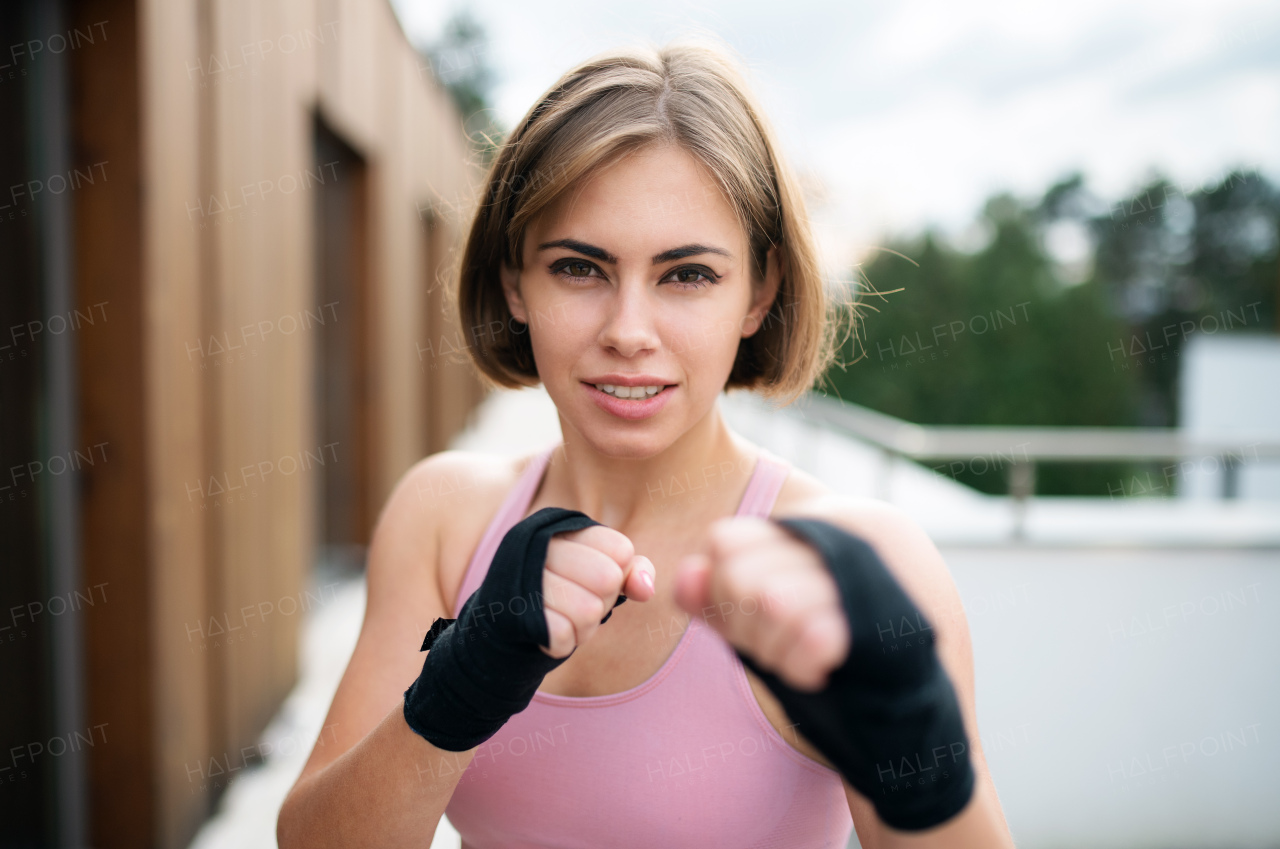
x=613, y=578
x=624, y=549
x=601, y=574
x=736, y=533
x=814, y=641
x=555, y=554
x=560, y=631
x=578, y=604
x=590, y=608
x=733, y=584
x=796, y=629
x=776, y=596
x=551, y=583
x=720, y=537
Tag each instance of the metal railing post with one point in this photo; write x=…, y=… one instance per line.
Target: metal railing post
x=1022, y=485
x=1230, y=478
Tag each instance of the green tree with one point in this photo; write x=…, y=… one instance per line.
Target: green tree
x=1177, y=263
x=1007, y=336
x=459, y=59
x=995, y=337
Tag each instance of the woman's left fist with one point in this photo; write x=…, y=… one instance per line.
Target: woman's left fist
x=770, y=596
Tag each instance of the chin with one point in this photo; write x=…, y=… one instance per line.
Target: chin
x=625, y=442
x=622, y=440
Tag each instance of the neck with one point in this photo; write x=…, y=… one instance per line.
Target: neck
x=629, y=493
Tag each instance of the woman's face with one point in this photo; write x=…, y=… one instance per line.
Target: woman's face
x=638, y=280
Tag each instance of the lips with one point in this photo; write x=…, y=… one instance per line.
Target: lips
x=618, y=379
x=632, y=409
x=629, y=391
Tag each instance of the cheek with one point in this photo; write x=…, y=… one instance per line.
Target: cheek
x=707, y=332
x=562, y=325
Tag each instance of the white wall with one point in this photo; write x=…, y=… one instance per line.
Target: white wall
x=1229, y=386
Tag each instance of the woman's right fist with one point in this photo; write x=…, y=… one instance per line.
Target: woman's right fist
x=585, y=571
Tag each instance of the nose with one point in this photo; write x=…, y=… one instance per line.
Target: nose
x=630, y=325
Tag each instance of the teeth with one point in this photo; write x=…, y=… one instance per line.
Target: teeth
x=629, y=391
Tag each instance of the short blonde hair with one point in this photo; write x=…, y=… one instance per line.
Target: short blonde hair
x=691, y=94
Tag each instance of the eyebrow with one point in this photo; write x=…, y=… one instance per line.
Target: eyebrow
x=604, y=256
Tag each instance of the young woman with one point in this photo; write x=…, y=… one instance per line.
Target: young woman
x=640, y=248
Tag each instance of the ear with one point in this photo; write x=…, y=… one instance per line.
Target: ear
x=765, y=294
x=511, y=290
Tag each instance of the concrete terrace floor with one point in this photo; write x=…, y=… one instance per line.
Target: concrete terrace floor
x=1127, y=663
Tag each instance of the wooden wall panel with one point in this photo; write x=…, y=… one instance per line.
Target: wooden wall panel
x=263, y=165
x=171, y=277
x=196, y=261
x=108, y=268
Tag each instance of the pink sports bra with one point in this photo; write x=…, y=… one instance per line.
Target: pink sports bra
x=687, y=758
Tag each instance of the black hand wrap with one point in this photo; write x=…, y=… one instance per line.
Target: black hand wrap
x=485, y=666
x=888, y=718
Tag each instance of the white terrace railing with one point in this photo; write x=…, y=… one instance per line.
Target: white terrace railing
x=1017, y=450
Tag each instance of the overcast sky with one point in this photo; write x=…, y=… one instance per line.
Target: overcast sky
x=912, y=113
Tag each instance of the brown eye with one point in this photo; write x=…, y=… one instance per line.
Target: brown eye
x=574, y=269
x=691, y=277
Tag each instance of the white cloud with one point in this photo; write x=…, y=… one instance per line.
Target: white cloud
x=913, y=113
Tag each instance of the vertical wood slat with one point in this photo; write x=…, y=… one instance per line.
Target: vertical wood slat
x=343, y=408
x=211, y=262
x=451, y=388
x=173, y=275
x=108, y=268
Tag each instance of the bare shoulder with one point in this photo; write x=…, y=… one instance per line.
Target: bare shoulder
x=898, y=538
x=434, y=519
x=804, y=495
x=421, y=544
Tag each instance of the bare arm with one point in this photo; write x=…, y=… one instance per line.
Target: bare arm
x=980, y=825
x=388, y=790
x=375, y=782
